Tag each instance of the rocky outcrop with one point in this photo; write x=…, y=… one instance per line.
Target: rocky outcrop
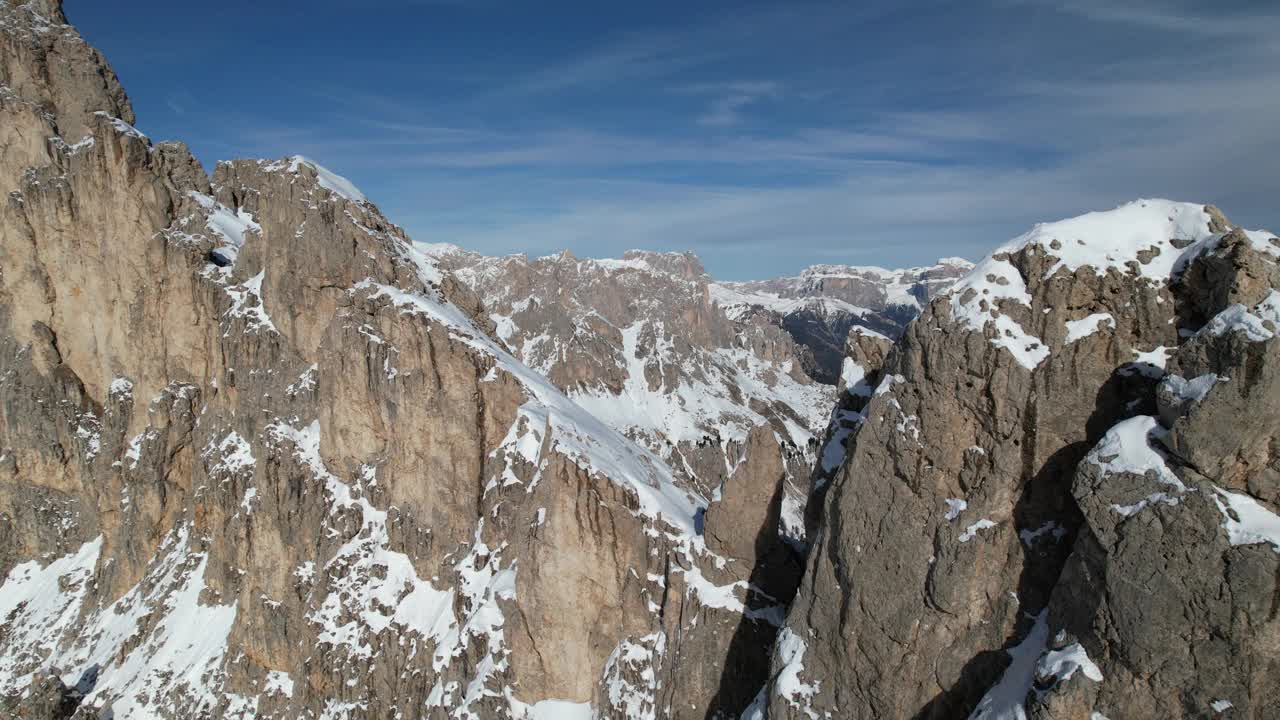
x=822, y=305
x=864, y=359
x=1002, y=537
x=262, y=457
x=1170, y=594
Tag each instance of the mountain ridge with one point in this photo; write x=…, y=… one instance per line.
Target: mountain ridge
x=263, y=456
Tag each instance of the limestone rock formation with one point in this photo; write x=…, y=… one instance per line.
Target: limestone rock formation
x=1015, y=532
x=262, y=457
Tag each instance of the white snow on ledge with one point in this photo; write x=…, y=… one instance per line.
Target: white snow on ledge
x=1031, y=660
x=1064, y=663
x=789, y=652
x=1246, y=521
x=328, y=179
x=1193, y=390
x=955, y=506
x=972, y=531
x=229, y=225
x=974, y=302
x=1084, y=327
x=1113, y=239
x=1127, y=448
x=1117, y=239
x=1253, y=323
x=550, y=710
x=42, y=602
x=1004, y=700
x=1261, y=241
x=122, y=127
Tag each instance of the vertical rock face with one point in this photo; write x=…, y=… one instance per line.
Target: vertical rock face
x=261, y=457
x=1014, y=531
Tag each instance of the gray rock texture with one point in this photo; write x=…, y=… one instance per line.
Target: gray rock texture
x=970, y=539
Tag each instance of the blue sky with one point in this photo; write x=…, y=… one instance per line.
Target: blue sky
x=763, y=136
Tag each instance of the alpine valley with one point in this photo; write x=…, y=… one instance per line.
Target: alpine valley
x=263, y=456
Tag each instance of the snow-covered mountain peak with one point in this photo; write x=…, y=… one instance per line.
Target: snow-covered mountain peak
x=324, y=177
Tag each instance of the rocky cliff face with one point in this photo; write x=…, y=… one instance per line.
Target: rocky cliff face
x=260, y=457
x=822, y=305
x=1051, y=506
x=641, y=344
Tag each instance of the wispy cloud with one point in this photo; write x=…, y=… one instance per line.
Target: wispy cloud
x=178, y=102
x=1221, y=23
x=730, y=99
x=804, y=149
x=696, y=42
x=776, y=137
x=628, y=58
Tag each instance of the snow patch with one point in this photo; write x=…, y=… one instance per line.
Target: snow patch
x=173, y=660
x=246, y=303
x=630, y=680
x=121, y=388
x=233, y=454
x=575, y=432
x=121, y=126
x=974, y=302
x=1246, y=521
x=853, y=378
x=789, y=650
x=1051, y=528
x=1084, y=327
x=972, y=531
x=37, y=606
x=328, y=179
x=1127, y=448
x=1004, y=701
x=550, y=710
x=1258, y=325
x=1193, y=390
x=278, y=683
x=1064, y=663
x=1119, y=239
x=712, y=595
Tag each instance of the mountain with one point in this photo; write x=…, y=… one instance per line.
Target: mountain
x=688, y=366
x=642, y=344
x=262, y=457
x=822, y=305
x=1052, y=503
